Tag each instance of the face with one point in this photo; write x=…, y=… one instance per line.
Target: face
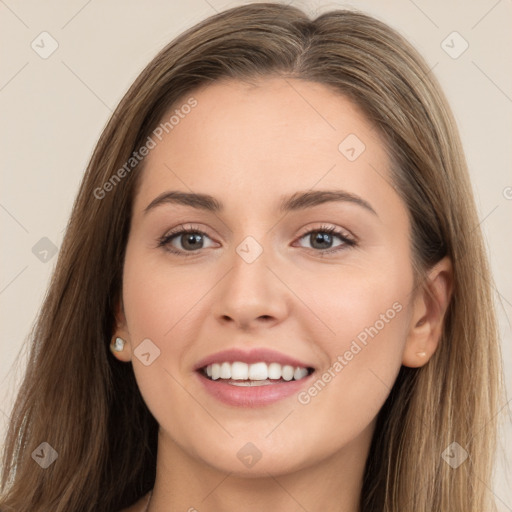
x=279, y=273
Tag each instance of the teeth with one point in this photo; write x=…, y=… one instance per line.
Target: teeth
x=225, y=371
x=239, y=371
x=299, y=373
x=254, y=372
x=274, y=371
x=258, y=371
x=287, y=372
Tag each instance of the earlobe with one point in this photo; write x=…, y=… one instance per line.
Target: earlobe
x=119, y=343
x=429, y=311
x=120, y=349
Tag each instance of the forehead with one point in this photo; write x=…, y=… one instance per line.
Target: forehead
x=273, y=136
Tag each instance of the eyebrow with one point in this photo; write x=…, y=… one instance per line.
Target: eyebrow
x=297, y=201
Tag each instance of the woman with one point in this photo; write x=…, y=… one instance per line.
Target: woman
x=277, y=231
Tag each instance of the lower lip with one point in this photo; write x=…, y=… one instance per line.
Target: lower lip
x=252, y=396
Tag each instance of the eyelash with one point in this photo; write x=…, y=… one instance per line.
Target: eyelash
x=165, y=240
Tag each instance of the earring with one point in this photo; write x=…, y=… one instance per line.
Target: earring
x=117, y=345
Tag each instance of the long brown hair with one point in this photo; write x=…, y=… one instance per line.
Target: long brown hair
x=86, y=405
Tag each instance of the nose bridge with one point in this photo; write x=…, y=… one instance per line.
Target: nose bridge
x=249, y=267
x=250, y=292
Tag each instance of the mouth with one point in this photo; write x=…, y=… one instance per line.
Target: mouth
x=242, y=374
x=240, y=384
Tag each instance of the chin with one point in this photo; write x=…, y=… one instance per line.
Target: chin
x=249, y=461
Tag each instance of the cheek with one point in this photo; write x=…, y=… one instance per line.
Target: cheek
x=162, y=304
x=363, y=306
x=361, y=298
x=367, y=310
x=158, y=299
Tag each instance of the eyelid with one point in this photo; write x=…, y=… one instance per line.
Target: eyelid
x=325, y=226
x=185, y=226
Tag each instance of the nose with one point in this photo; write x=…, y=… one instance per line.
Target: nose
x=251, y=295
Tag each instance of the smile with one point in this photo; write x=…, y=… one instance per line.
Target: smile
x=252, y=378
x=256, y=374
x=239, y=384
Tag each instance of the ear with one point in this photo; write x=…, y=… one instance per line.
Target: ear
x=428, y=313
x=121, y=331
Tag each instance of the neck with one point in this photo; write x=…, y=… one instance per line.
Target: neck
x=332, y=484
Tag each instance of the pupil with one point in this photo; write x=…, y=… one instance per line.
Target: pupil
x=322, y=238
x=193, y=239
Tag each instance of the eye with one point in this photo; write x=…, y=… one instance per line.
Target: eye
x=323, y=239
x=183, y=240
x=187, y=241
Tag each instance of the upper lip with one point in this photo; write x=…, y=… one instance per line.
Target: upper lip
x=255, y=355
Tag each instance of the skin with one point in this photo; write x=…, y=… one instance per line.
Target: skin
x=247, y=145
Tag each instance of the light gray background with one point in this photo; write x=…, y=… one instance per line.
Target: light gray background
x=53, y=110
